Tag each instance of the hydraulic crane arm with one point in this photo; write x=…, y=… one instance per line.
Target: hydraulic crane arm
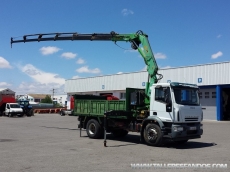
x=135, y=39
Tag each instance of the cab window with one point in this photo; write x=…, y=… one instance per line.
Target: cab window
x=162, y=94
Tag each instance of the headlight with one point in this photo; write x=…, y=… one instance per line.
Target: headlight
x=201, y=127
x=178, y=129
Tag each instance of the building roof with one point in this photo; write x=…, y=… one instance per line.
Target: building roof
x=201, y=75
x=38, y=96
x=160, y=69
x=6, y=90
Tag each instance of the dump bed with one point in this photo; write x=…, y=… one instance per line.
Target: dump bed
x=97, y=107
x=6, y=99
x=93, y=105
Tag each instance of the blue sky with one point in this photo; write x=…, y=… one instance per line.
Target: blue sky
x=181, y=33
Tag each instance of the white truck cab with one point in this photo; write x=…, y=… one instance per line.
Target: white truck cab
x=178, y=107
x=13, y=109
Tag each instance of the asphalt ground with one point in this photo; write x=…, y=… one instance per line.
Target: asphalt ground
x=52, y=143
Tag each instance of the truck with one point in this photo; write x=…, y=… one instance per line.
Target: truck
x=13, y=109
x=160, y=112
x=27, y=108
x=8, y=105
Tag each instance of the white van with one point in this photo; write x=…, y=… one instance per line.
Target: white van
x=13, y=109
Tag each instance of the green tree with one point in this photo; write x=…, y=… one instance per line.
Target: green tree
x=47, y=99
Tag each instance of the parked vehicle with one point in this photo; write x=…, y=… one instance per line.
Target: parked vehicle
x=163, y=111
x=13, y=109
x=8, y=105
x=27, y=108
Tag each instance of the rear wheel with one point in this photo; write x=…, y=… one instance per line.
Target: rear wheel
x=94, y=129
x=153, y=135
x=31, y=112
x=62, y=113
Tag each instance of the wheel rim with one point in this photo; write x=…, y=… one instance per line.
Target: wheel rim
x=92, y=128
x=152, y=134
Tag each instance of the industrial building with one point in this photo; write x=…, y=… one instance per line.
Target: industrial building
x=213, y=80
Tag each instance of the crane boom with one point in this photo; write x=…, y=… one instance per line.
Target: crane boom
x=134, y=38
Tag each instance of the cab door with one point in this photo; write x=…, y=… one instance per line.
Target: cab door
x=161, y=105
x=7, y=109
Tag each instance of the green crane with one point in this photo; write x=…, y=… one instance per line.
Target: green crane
x=134, y=38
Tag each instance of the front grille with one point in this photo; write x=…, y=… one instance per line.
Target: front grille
x=191, y=119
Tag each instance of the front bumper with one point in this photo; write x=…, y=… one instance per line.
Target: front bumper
x=17, y=113
x=185, y=131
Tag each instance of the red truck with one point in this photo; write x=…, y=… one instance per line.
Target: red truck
x=8, y=105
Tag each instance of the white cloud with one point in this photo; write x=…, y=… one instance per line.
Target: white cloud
x=218, y=36
x=131, y=51
x=38, y=88
x=4, y=84
x=126, y=12
x=218, y=54
x=76, y=77
x=165, y=67
x=69, y=55
x=160, y=56
x=41, y=76
x=4, y=63
x=49, y=50
x=119, y=72
x=85, y=69
x=80, y=61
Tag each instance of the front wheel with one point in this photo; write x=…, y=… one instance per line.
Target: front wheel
x=153, y=135
x=94, y=129
x=22, y=115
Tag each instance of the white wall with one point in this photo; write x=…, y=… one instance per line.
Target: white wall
x=61, y=99
x=26, y=97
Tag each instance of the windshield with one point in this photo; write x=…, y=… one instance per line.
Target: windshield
x=186, y=96
x=24, y=103
x=14, y=106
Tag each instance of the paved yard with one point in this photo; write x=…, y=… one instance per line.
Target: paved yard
x=51, y=143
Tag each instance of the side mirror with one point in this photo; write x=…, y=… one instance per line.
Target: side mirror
x=169, y=107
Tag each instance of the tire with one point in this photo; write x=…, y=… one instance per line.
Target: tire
x=9, y=115
x=181, y=141
x=153, y=135
x=94, y=129
x=119, y=133
x=31, y=112
x=62, y=113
